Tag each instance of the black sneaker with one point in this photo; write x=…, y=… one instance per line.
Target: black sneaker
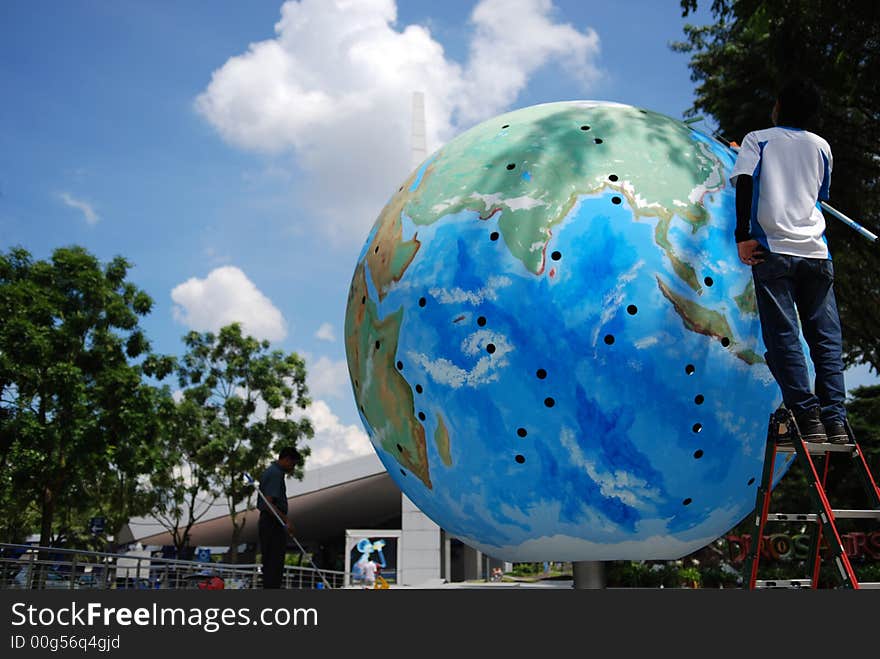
x=836, y=433
x=811, y=427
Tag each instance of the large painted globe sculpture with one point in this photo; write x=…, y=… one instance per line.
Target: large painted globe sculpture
x=552, y=344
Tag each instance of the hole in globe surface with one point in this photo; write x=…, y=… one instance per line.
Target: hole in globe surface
x=422, y=302
x=751, y=481
x=505, y=126
x=521, y=432
x=612, y=177
x=378, y=343
x=598, y=140
x=616, y=200
x=419, y=389
x=699, y=398
x=511, y=165
x=697, y=427
x=403, y=472
x=609, y=339
x=399, y=366
x=399, y=448
x=585, y=127
x=541, y=374
x=549, y=402
x=556, y=256
x=421, y=416
x=725, y=342
x=632, y=310
x=687, y=501
x=490, y=348
x=481, y=321
x=708, y=281
x=698, y=453
x=520, y=458
x=493, y=235
x=689, y=369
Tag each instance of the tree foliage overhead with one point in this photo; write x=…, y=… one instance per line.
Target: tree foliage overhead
x=739, y=63
x=247, y=396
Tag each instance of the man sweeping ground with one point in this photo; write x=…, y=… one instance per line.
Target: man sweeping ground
x=273, y=536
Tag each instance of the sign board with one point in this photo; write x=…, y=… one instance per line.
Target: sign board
x=388, y=540
x=96, y=525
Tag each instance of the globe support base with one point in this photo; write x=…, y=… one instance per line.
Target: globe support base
x=588, y=575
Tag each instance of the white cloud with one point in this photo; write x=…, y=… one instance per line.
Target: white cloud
x=333, y=441
x=215, y=257
x=85, y=207
x=327, y=377
x=513, y=39
x=325, y=333
x=335, y=87
x=225, y=296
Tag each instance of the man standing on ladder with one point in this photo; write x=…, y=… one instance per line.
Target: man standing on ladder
x=781, y=174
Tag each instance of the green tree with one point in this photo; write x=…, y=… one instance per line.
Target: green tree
x=738, y=63
x=124, y=489
x=184, y=491
x=75, y=407
x=19, y=510
x=247, y=395
x=863, y=410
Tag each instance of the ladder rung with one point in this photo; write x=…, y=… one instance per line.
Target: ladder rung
x=783, y=583
x=857, y=514
x=818, y=448
x=792, y=517
x=812, y=517
x=869, y=585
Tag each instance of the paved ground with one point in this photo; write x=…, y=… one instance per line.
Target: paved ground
x=441, y=585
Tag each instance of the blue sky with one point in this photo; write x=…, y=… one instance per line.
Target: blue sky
x=241, y=164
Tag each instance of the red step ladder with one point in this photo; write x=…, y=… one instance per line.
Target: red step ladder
x=783, y=436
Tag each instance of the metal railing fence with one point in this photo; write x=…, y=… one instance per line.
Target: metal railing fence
x=32, y=567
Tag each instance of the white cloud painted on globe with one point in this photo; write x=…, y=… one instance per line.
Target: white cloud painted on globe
x=335, y=85
x=226, y=296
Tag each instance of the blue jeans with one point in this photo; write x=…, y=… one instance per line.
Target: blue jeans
x=787, y=287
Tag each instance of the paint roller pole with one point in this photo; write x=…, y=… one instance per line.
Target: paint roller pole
x=283, y=523
x=852, y=224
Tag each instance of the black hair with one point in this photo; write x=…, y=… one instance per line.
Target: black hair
x=289, y=452
x=798, y=103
